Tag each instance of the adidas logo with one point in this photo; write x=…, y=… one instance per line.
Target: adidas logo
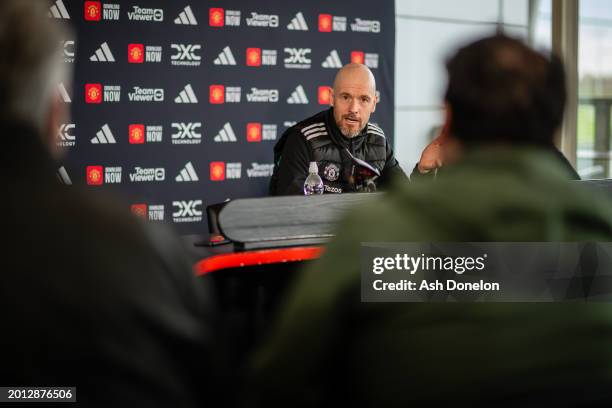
x=63, y=177
x=187, y=174
x=225, y=57
x=103, y=54
x=186, y=96
x=104, y=136
x=186, y=17
x=298, y=96
x=61, y=89
x=332, y=60
x=226, y=134
x=298, y=23
x=58, y=10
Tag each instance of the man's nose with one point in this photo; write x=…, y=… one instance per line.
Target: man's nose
x=354, y=106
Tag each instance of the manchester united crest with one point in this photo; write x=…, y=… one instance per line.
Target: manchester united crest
x=331, y=172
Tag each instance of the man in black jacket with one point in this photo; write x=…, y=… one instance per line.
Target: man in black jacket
x=351, y=153
x=89, y=298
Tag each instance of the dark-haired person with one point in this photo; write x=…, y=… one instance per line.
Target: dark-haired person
x=501, y=183
x=339, y=139
x=89, y=297
x=471, y=121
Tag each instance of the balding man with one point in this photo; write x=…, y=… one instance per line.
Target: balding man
x=351, y=153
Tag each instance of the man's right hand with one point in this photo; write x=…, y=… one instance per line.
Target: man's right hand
x=432, y=156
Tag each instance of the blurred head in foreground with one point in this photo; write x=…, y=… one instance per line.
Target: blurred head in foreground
x=91, y=298
x=500, y=91
x=31, y=68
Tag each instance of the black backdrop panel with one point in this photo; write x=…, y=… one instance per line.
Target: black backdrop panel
x=177, y=105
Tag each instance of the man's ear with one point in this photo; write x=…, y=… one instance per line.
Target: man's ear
x=375, y=102
x=331, y=99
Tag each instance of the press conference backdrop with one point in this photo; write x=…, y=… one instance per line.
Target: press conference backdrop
x=178, y=104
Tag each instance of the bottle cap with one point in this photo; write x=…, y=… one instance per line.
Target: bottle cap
x=313, y=169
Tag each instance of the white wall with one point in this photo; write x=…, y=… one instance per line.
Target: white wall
x=427, y=31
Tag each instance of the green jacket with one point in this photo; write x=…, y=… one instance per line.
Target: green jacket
x=329, y=348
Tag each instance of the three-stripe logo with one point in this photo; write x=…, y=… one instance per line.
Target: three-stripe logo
x=298, y=23
x=63, y=176
x=103, y=54
x=225, y=57
x=188, y=173
x=375, y=129
x=58, y=10
x=186, y=17
x=104, y=136
x=226, y=134
x=332, y=60
x=298, y=96
x=186, y=95
x=63, y=93
x=314, y=130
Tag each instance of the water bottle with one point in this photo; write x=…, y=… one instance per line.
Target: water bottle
x=313, y=184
